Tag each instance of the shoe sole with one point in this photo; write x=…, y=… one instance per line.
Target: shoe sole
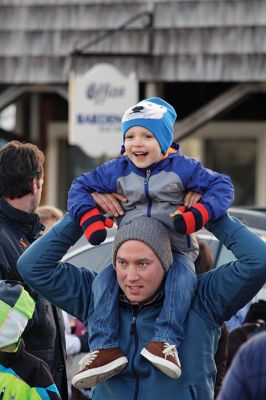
x=87, y=379
x=167, y=367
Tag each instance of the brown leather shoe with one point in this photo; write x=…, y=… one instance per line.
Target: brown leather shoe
x=99, y=366
x=164, y=357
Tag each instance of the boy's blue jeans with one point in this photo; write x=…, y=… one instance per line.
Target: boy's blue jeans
x=180, y=284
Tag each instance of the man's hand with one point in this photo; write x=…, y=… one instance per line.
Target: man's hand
x=191, y=198
x=109, y=202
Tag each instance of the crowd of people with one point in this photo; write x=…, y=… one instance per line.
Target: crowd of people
x=155, y=317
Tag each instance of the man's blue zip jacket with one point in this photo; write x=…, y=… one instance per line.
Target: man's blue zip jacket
x=156, y=191
x=219, y=294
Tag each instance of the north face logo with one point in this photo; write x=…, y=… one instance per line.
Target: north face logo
x=171, y=187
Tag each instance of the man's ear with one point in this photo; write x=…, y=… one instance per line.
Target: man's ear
x=34, y=186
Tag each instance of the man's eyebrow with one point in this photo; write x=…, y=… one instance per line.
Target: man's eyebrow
x=138, y=259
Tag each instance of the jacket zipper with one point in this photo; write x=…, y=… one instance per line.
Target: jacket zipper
x=146, y=191
x=134, y=332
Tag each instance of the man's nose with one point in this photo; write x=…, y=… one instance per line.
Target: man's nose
x=132, y=274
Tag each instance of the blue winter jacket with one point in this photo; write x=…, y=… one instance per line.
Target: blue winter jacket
x=156, y=191
x=220, y=293
x=246, y=378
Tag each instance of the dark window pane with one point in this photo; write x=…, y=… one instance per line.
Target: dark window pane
x=236, y=158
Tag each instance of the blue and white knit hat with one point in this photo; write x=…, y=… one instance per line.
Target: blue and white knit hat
x=16, y=308
x=154, y=114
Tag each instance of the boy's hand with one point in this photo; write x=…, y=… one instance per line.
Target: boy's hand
x=93, y=224
x=190, y=219
x=109, y=202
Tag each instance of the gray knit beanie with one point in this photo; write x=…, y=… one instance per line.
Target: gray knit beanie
x=149, y=231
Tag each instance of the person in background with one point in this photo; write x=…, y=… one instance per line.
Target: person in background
x=255, y=322
x=154, y=177
x=22, y=375
x=49, y=215
x=246, y=378
x=238, y=319
x=204, y=263
x=21, y=181
x=76, y=343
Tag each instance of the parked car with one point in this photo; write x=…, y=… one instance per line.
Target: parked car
x=97, y=257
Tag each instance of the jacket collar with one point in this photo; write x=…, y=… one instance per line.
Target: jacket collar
x=156, y=298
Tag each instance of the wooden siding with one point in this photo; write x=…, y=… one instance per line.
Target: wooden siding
x=203, y=40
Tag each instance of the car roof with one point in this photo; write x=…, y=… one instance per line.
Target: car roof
x=252, y=218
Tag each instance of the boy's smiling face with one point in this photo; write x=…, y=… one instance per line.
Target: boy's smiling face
x=142, y=147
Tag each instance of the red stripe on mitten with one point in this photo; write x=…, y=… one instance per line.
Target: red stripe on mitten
x=93, y=224
x=191, y=220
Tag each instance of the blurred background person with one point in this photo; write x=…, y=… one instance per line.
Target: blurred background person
x=76, y=345
x=254, y=323
x=204, y=263
x=49, y=215
x=246, y=378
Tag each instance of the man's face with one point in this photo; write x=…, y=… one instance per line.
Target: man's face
x=139, y=271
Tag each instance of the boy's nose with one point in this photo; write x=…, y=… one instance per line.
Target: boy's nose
x=138, y=142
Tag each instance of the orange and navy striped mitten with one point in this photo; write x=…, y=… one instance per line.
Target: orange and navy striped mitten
x=190, y=219
x=94, y=226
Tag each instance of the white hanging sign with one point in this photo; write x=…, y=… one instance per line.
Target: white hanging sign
x=97, y=101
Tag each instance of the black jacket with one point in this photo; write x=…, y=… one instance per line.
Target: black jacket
x=30, y=376
x=45, y=333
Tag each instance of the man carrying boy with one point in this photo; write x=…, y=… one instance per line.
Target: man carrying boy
x=219, y=294
x=153, y=176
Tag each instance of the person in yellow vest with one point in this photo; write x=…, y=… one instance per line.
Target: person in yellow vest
x=22, y=375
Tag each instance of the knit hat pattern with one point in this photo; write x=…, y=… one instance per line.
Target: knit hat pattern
x=149, y=231
x=154, y=114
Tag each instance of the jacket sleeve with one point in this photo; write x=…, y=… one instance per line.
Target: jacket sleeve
x=102, y=179
x=61, y=283
x=217, y=189
x=228, y=288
